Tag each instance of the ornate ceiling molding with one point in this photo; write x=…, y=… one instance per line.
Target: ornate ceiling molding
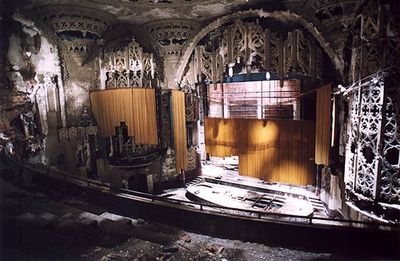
x=77, y=27
x=169, y=36
x=76, y=18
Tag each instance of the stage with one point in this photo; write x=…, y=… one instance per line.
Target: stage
x=221, y=185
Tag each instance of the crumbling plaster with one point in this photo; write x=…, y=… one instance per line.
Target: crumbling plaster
x=32, y=49
x=78, y=83
x=44, y=76
x=143, y=11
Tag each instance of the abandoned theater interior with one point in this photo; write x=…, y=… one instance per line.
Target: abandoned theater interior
x=223, y=117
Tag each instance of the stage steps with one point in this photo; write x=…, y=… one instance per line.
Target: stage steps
x=194, y=182
x=317, y=204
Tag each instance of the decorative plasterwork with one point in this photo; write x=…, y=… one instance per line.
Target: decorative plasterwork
x=334, y=13
x=170, y=35
x=332, y=17
x=282, y=16
x=191, y=107
x=76, y=18
x=77, y=27
x=376, y=40
x=171, y=31
x=191, y=156
x=373, y=148
x=246, y=47
x=77, y=133
x=390, y=175
x=79, y=49
x=128, y=66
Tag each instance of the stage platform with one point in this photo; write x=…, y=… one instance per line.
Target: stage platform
x=221, y=185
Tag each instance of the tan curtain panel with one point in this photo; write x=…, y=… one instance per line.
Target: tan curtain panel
x=136, y=107
x=323, y=125
x=273, y=150
x=179, y=125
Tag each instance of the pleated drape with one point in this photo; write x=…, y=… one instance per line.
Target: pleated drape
x=323, y=125
x=136, y=107
x=273, y=150
x=179, y=125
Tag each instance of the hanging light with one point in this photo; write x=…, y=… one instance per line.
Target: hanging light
x=267, y=76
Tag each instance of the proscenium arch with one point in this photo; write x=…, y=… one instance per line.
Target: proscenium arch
x=278, y=15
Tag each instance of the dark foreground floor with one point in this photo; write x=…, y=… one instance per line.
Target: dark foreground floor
x=41, y=224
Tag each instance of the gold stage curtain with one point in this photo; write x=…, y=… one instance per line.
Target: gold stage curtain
x=323, y=125
x=136, y=107
x=272, y=150
x=179, y=125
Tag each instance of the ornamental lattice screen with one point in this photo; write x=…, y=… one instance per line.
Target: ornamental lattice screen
x=128, y=66
x=247, y=47
x=373, y=147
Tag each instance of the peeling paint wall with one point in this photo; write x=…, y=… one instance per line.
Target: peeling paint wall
x=79, y=81
x=35, y=74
